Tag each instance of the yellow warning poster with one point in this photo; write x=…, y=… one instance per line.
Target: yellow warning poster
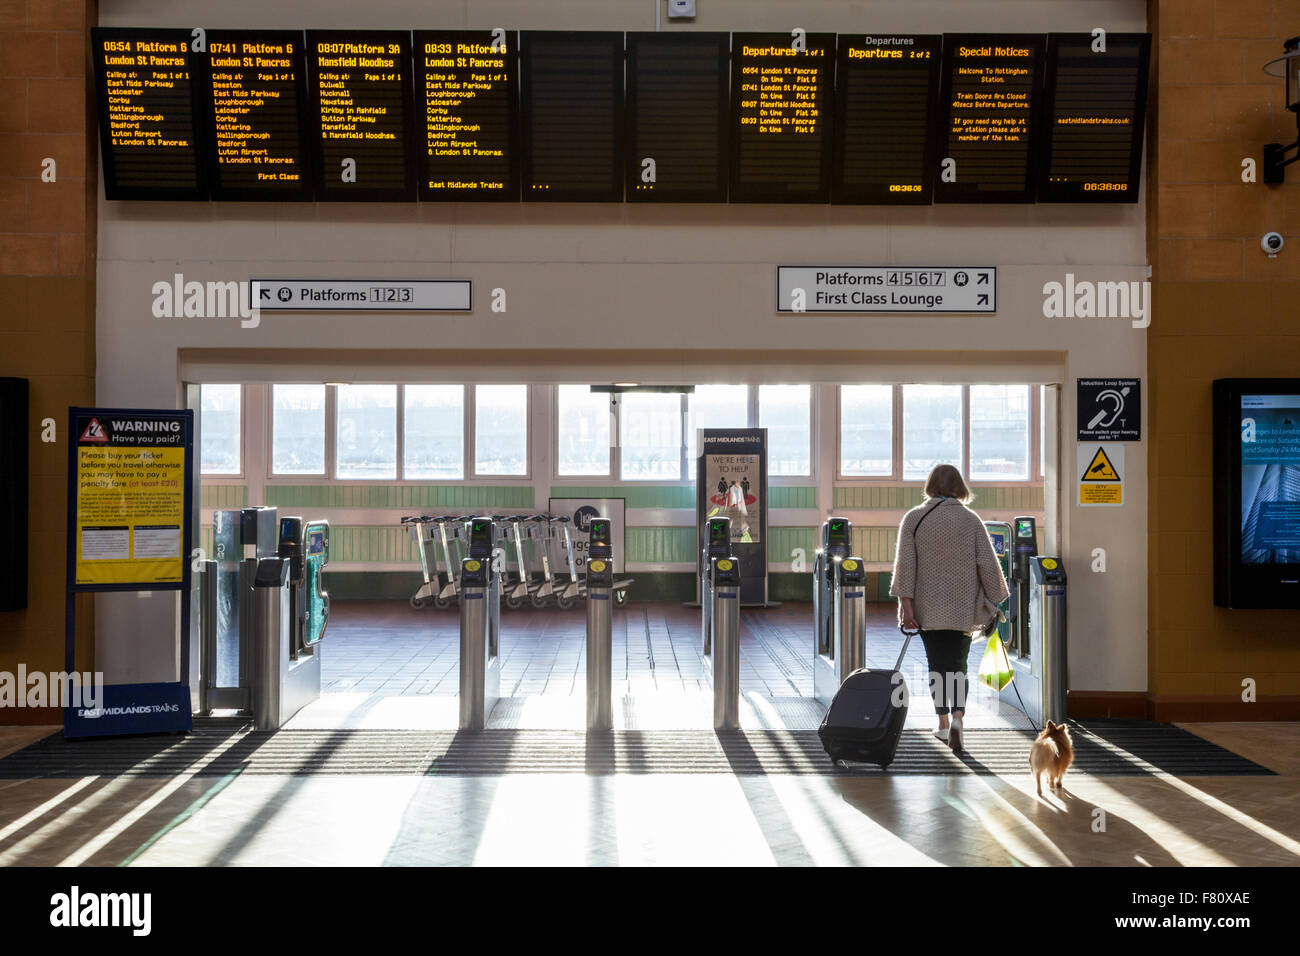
x=129, y=487
x=1101, y=474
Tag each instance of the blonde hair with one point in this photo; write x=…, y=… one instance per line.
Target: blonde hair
x=945, y=481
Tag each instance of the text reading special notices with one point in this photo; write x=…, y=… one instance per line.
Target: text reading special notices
x=465, y=92
x=146, y=108
x=782, y=94
x=255, y=85
x=362, y=96
x=887, y=289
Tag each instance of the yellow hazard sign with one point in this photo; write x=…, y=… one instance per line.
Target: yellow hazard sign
x=1101, y=474
x=1100, y=468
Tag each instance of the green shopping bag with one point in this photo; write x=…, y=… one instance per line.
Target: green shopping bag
x=995, y=667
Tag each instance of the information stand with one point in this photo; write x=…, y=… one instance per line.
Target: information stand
x=731, y=482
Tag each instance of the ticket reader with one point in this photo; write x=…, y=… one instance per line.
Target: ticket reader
x=480, y=625
x=600, y=641
x=839, y=609
x=723, y=661
x=1047, y=635
x=1023, y=551
x=1000, y=536
x=717, y=545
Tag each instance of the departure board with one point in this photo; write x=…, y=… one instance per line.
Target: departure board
x=146, y=114
x=990, y=93
x=886, y=90
x=571, y=90
x=361, y=101
x=1094, y=118
x=255, y=90
x=782, y=91
x=677, y=93
x=466, y=110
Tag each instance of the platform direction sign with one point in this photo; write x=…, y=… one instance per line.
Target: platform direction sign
x=887, y=289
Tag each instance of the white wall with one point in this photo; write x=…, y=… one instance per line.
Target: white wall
x=672, y=289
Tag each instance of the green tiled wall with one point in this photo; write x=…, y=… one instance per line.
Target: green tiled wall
x=223, y=496
x=792, y=496
x=661, y=545
x=867, y=497
x=399, y=496
x=651, y=497
x=781, y=542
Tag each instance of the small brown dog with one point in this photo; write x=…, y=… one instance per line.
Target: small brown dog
x=1051, y=754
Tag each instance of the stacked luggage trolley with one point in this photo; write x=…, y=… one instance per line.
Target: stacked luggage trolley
x=529, y=575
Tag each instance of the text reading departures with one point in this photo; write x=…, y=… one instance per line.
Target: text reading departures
x=990, y=93
x=1093, y=133
x=361, y=92
x=885, y=130
x=255, y=86
x=146, y=114
x=465, y=92
x=781, y=93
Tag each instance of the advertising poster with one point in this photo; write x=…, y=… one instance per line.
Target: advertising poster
x=731, y=482
x=1270, y=479
x=732, y=485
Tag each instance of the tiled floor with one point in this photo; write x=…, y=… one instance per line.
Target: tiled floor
x=387, y=665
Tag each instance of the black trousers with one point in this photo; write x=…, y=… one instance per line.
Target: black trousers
x=947, y=653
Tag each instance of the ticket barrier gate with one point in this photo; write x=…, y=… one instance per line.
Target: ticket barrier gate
x=600, y=620
x=720, y=622
x=263, y=615
x=1000, y=536
x=480, y=625
x=1037, y=640
x=839, y=610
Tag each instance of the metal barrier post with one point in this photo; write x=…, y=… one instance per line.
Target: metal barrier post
x=1048, y=621
x=726, y=644
x=480, y=667
x=269, y=640
x=600, y=704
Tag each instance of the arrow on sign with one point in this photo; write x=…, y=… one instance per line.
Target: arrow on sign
x=983, y=279
x=266, y=293
x=983, y=299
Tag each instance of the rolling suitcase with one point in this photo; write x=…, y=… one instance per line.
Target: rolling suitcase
x=866, y=716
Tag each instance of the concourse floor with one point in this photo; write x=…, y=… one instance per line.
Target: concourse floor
x=387, y=665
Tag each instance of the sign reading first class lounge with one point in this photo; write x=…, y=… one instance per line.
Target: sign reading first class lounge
x=887, y=289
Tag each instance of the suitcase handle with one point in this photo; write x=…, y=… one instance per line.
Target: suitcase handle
x=903, y=653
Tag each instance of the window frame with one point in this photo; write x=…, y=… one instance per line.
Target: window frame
x=471, y=435
x=268, y=440
x=401, y=437
x=242, y=441
x=615, y=439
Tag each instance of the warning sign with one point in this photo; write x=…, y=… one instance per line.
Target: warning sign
x=1101, y=474
x=129, y=478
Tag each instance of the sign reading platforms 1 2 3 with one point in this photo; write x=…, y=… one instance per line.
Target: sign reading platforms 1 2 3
x=362, y=295
x=887, y=289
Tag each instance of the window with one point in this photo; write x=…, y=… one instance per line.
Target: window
x=932, y=429
x=582, y=431
x=219, y=427
x=786, y=412
x=650, y=439
x=501, y=429
x=433, y=423
x=298, y=429
x=999, y=432
x=365, y=439
x=866, y=431
x=1042, y=431
x=714, y=406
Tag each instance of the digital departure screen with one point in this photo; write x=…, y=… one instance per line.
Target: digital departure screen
x=254, y=86
x=1270, y=479
x=146, y=114
x=361, y=98
x=990, y=97
x=781, y=100
x=885, y=126
x=465, y=104
x=572, y=98
x=1093, y=124
x=677, y=92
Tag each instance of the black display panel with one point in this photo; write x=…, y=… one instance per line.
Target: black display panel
x=1257, y=493
x=254, y=94
x=147, y=98
x=677, y=93
x=1094, y=117
x=571, y=91
x=886, y=128
x=781, y=102
x=361, y=110
x=466, y=110
x=989, y=110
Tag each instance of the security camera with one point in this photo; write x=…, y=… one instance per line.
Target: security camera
x=1272, y=243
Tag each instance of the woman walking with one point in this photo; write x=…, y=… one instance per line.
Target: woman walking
x=948, y=583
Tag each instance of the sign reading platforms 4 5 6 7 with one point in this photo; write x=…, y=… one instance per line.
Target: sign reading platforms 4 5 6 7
x=887, y=289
